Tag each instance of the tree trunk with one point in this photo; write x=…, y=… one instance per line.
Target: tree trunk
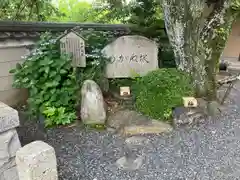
x=213, y=38
x=183, y=21
x=198, y=34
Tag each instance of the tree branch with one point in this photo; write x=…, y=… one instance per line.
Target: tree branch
x=216, y=17
x=19, y=10
x=30, y=12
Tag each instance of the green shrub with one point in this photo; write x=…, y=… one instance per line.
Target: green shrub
x=160, y=91
x=51, y=82
x=58, y=116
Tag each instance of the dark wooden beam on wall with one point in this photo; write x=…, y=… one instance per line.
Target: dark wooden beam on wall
x=16, y=26
x=33, y=30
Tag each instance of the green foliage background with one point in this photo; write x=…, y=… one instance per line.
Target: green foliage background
x=50, y=80
x=28, y=10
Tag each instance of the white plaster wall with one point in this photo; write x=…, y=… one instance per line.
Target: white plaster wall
x=11, y=52
x=232, y=49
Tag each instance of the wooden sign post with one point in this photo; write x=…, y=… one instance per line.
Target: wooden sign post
x=73, y=44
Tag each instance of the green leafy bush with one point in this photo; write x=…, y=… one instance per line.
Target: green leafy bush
x=51, y=81
x=160, y=91
x=58, y=116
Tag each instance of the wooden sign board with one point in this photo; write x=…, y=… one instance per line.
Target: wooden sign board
x=125, y=91
x=190, y=102
x=73, y=44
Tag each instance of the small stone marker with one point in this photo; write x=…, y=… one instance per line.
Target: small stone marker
x=92, y=104
x=131, y=55
x=125, y=91
x=72, y=43
x=190, y=102
x=36, y=161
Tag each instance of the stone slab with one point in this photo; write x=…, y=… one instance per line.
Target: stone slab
x=130, y=56
x=126, y=118
x=36, y=161
x=9, y=145
x=8, y=117
x=155, y=127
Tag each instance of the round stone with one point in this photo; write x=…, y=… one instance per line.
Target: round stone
x=130, y=163
x=136, y=141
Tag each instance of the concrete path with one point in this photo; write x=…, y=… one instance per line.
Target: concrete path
x=208, y=152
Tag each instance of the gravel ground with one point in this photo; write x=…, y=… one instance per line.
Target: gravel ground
x=207, y=152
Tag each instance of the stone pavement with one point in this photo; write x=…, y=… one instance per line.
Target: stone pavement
x=206, y=152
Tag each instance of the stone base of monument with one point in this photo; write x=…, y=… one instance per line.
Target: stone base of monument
x=183, y=116
x=129, y=123
x=127, y=101
x=9, y=142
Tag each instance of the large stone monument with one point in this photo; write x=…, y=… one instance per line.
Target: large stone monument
x=9, y=142
x=131, y=55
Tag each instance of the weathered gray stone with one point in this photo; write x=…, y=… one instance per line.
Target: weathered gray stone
x=36, y=161
x=132, y=123
x=10, y=164
x=188, y=116
x=126, y=118
x=10, y=174
x=92, y=106
x=103, y=83
x=8, y=170
x=9, y=145
x=213, y=108
x=136, y=141
x=154, y=127
x=111, y=130
x=130, y=55
x=130, y=163
x=8, y=118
